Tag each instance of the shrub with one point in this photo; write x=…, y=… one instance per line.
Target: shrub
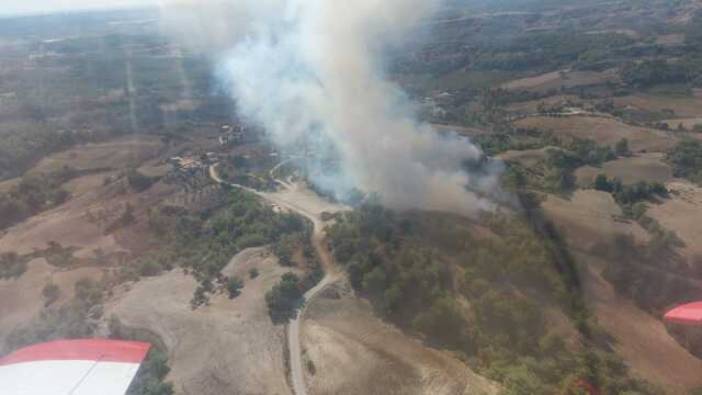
x=686, y=159
x=150, y=268
x=51, y=293
x=234, y=286
x=284, y=299
x=11, y=266
x=149, y=379
x=139, y=182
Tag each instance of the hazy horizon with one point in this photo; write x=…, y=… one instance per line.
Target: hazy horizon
x=33, y=7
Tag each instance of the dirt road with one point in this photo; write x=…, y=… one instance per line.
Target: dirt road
x=300, y=200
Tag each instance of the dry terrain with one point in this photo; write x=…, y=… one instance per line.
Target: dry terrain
x=643, y=167
x=348, y=350
x=21, y=299
x=557, y=79
x=528, y=158
x=227, y=347
x=113, y=154
x=639, y=338
x=687, y=123
x=590, y=217
x=683, y=106
x=603, y=131
x=682, y=213
x=532, y=106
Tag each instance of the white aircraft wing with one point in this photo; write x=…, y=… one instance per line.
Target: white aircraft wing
x=72, y=367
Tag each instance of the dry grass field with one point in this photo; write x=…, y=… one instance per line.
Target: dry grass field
x=532, y=106
x=590, y=217
x=227, y=347
x=603, y=131
x=643, y=167
x=113, y=154
x=527, y=158
x=639, y=338
x=21, y=299
x=557, y=79
x=682, y=213
x=348, y=350
x=683, y=106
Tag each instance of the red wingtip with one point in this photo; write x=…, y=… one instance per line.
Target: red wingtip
x=84, y=350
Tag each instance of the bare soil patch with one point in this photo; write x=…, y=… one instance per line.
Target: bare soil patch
x=227, y=347
x=590, y=217
x=603, y=131
x=532, y=106
x=7, y=185
x=21, y=299
x=113, y=154
x=644, y=167
x=79, y=186
x=682, y=213
x=348, y=350
x=639, y=338
x=528, y=158
x=558, y=79
x=684, y=106
x=688, y=123
x=673, y=39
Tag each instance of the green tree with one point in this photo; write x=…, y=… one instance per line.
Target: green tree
x=602, y=183
x=622, y=147
x=285, y=298
x=51, y=293
x=234, y=286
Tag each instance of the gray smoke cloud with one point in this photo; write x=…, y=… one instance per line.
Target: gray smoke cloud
x=310, y=73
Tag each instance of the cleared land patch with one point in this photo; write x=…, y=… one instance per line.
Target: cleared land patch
x=227, y=347
x=558, y=79
x=639, y=338
x=644, y=167
x=683, y=106
x=603, y=131
x=682, y=213
x=526, y=158
x=351, y=351
x=21, y=299
x=112, y=154
x=590, y=217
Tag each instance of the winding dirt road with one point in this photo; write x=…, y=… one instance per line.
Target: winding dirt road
x=300, y=200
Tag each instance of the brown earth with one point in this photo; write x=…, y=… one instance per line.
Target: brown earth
x=639, y=338
x=558, y=79
x=532, y=106
x=684, y=106
x=227, y=347
x=643, y=167
x=528, y=158
x=348, y=350
x=590, y=217
x=6, y=185
x=682, y=213
x=66, y=225
x=113, y=154
x=670, y=39
x=21, y=299
x=688, y=123
x=603, y=131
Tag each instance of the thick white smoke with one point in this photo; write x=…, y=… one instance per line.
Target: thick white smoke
x=309, y=71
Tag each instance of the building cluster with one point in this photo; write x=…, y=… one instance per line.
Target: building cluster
x=232, y=135
x=191, y=164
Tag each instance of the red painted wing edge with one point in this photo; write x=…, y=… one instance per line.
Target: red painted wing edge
x=81, y=350
x=689, y=314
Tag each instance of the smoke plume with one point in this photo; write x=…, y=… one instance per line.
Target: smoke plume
x=310, y=73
